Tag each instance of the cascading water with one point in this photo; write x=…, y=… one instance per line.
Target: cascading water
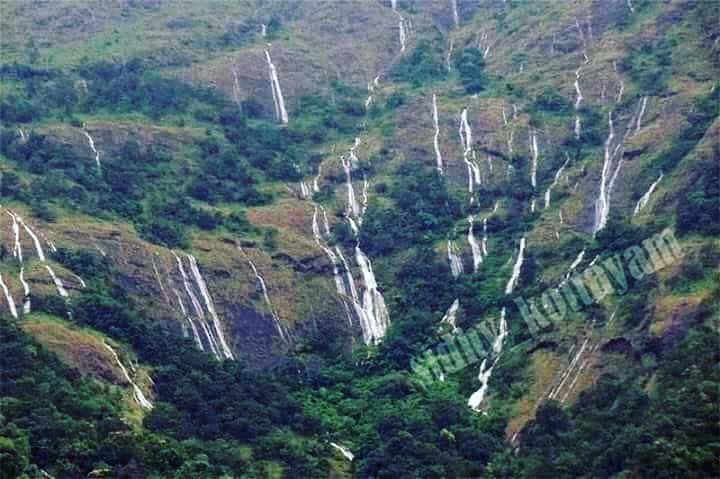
x=26, y=291
x=578, y=99
x=199, y=313
x=373, y=302
x=576, y=262
x=344, y=451
x=558, y=173
x=9, y=299
x=456, y=266
x=58, y=282
x=476, y=399
x=556, y=390
x=456, y=15
x=475, y=248
x=436, y=141
x=643, y=201
x=450, y=316
x=278, y=100
x=200, y=282
x=268, y=303
x=137, y=392
x=91, y=142
x=602, y=205
x=643, y=104
x=35, y=240
x=17, y=248
x=535, y=155
x=512, y=282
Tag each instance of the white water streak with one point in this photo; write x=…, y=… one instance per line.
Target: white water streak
x=456, y=266
x=91, y=142
x=137, y=392
x=555, y=182
x=280, y=111
x=643, y=201
x=58, y=282
x=26, y=291
x=477, y=254
x=535, y=155
x=450, y=316
x=210, y=306
x=344, y=451
x=436, y=138
x=9, y=299
x=512, y=282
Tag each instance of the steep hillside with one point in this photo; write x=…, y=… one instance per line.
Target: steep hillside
x=366, y=238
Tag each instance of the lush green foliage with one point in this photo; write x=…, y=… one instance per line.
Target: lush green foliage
x=470, y=65
x=618, y=428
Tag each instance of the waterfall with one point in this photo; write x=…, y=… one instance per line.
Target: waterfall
x=373, y=303
x=450, y=316
x=23, y=138
x=344, y=451
x=17, y=249
x=9, y=299
x=456, y=16
x=304, y=189
x=556, y=390
x=353, y=208
x=92, y=147
x=534, y=148
x=368, y=101
x=316, y=180
x=58, y=282
x=280, y=111
x=573, y=265
x=642, y=112
x=26, y=291
x=473, y=170
x=210, y=306
x=339, y=285
x=137, y=392
x=646, y=197
x=263, y=30
x=200, y=282
x=630, y=6
x=578, y=100
x=80, y=280
x=436, y=142
x=159, y=281
x=448, y=57
x=268, y=303
x=477, y=253
x=602, y=205
x=574, y=381
x=402, y=34
x=465, y=130
x=555, y=182
x=485, y=373
x=512, y=282
x=199, y=313
x=456, y=266
x=36, y=241
x=196, y=335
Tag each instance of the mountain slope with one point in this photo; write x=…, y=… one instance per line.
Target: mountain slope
x=278, y=207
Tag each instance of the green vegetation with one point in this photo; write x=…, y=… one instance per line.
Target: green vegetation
x=470, y=65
